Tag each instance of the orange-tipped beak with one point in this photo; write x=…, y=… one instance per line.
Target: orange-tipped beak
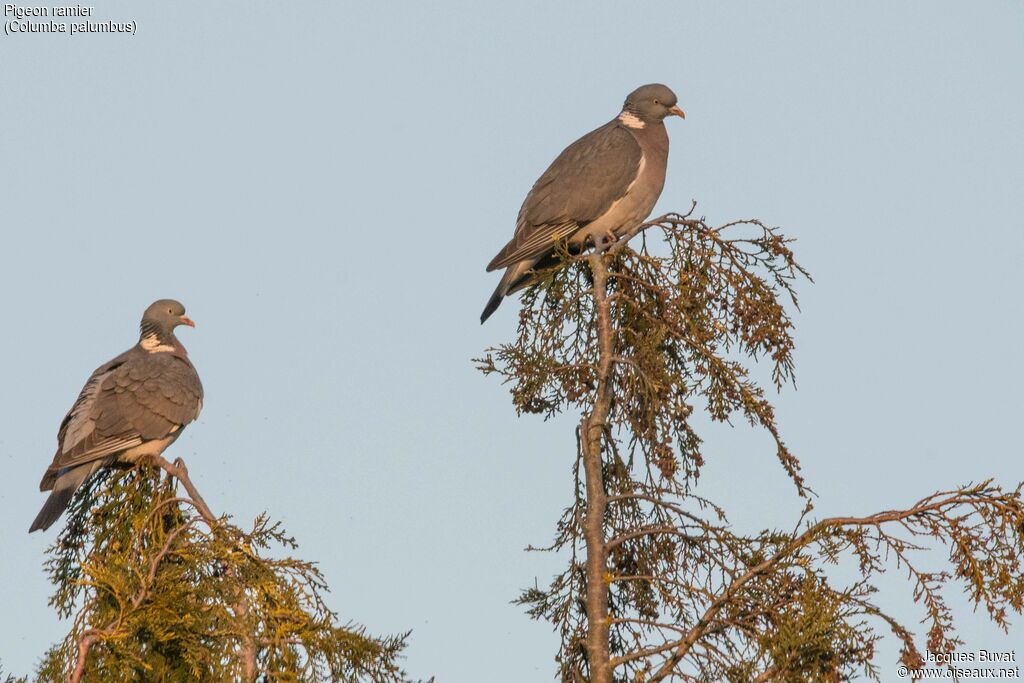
x=187, y=321
x=677, y=112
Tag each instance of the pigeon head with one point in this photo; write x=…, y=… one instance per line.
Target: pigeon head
x=159, y=321
x=652, y=103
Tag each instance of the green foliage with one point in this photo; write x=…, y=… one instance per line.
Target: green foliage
x=678, y=319
x=687, y=597
x=162, y=591
x=9, y=678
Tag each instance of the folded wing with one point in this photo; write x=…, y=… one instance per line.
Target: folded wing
x=125, y=403
x=580, y=186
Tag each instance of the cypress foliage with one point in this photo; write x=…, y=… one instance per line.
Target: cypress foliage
x=658, y=585
x=161, y=590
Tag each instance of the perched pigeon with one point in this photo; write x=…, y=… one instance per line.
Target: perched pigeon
x=133, y=406
x=605, y=183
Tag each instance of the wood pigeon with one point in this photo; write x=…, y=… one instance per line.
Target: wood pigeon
x=131, y=407
x=605, y=183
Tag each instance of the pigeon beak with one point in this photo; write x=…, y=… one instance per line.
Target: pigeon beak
x=676, y=111
x=187, y=321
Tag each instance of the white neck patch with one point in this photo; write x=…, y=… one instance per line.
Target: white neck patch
x=630, y=120
x=152, y=344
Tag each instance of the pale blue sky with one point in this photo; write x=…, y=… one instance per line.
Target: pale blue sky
x=322, y=184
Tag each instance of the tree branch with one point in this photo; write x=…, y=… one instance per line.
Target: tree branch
x=179, y=471
x=935, y=503
x=83, y=651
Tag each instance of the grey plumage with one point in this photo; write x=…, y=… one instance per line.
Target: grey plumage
x=607, y=182
x=130, y=407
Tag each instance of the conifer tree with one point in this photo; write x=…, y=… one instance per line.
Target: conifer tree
x=161, y=589
x=658, y=585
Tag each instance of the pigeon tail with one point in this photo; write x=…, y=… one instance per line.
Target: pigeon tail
x=493, y=302
x=511, y=274
x=67, y=483
x=54, y=507
x=516, y=277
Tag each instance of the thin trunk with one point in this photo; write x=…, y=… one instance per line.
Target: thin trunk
x=592, y=430
x=83, y=651
x=241, y=607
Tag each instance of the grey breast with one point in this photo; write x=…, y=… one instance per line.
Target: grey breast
x=639, y=199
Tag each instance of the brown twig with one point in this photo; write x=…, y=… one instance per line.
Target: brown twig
x=668, y=218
